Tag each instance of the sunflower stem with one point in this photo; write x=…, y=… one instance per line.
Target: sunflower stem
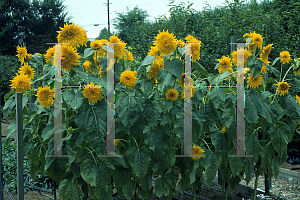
x=136, y=145
x=280, y=71
x=286, y=73
x=206, y=143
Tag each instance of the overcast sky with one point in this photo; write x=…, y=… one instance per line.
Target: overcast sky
x=86, y=13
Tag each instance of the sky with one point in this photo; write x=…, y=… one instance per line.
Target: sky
x=86, y=13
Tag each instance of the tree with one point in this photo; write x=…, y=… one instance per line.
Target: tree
x=104, y=34
x=30, y=23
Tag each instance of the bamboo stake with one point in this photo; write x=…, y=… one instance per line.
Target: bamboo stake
x=20, y=146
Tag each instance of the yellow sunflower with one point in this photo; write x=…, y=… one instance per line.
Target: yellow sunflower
x=45, y=96
x=266, y=51
x=73, y=34
x=264, y=68
x=128, y=78
x=88, y=65
x=21, y=83
x=195, y=48
x=119, y=49
x=117, y=142
x=100, y=72
x=180, y=43
x=153, y=52
x=283, y=88
x=172, y=94
x=27, y=70
x=197, y=151
x=49, y=55
x=247, y=54
x=97, y=45
x=153, y=72
x=253, y=44
x=225, y=63
x=223, y=129
x=92, y=92
x=298, y=100
x=130, y=56
x=165, y=42
x=193, y=90
x=256, y=82
x=182, y=81
x=257, y=40
x=69, y=57
x=22, y=52
x=285, y=57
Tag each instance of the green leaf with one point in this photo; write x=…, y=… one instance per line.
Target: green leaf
x=146, y=182
x=94, y=79
x=48, y=132
x=275, y=71
x=148, y=60
x=266, y=155
x=193, y=172
x=139, y=160
x=182, y=50
x=69, y=190
x=88, y=52
x=107, y=48
x=164, y=119
x=275, y=61
x=252, y=145
x=217, y=95
x=57, y=167
x=266, y=113
x=8, y=95
x=248, y=170
x=163, y=185
x=217, y=78
x=233, y=182
x=219, y=141
x=165, y=78
x=217, y=65
x=146, y=88
x=265, y=94
x=255, y=71
x=129, y=107
x=200, y=68
x=291, y=106
x=129, y=188
x=72, y=99
x=279, y=137
x=211, y=164
x=252, y=106
x=88, y=171
x=236, y=163
x=228, y=117
x=275, y=166
x=174, y=66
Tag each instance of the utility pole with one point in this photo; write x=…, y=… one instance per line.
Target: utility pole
x=108, y=17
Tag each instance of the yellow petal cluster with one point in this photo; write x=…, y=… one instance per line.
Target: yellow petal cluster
x=165, y=42
x=92, y=92
x=73, y=34
x=45, y=96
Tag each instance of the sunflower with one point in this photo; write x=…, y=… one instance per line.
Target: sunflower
x=21, y=83
x=180, y=43
x=73, y=34
x=153, y=72
x=225, y=63
x=165, y=42
x=195, y=48
x=88, y=65
x=97, y=45
x=128, y=78
x=27, y=70
x=285, y=57
x=256, y=82
x=49, y=55
x=172, y=94
x=241, y=76
x=92, y=92
x=247, y=54
x=153, y=52
x=117, y=142
x=257, y=40
x=223, y=129
x=182, y=81
x=100, y=72
x=197, y=151
x=193, y=90
x=264, y=68
x=283, y=88
x=119, y=49
x=45, y=96
x=266, y=51
x=22, y=52
x=298, y=100
x=129, y=57
x=69, y=57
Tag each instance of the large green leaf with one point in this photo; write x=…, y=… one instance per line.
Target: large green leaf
x=236, y=163
x=228, y=117
x=291, y=106
x=219, y=141
x=174, y=66
x=193, y=172
x=266, y=113
x=200, y=68
x=217, y=95
x=48, y=132
x=165, y=78
x=252, y=145
x=248, y=170
x=139, y=160
x=163, y=185
x=146, y=88
x=88, y=52
x=148, y=60
x=146, y=182
x=57, y=167
x=69, y=190
x=72, y=99
x=93, y=117
x=275, y=165
x=279, y=137
x=129, y=107
x=211, y=164
x=266, y=156
x=252, y=106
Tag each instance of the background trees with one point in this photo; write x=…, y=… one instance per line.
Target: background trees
x=32, y=23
